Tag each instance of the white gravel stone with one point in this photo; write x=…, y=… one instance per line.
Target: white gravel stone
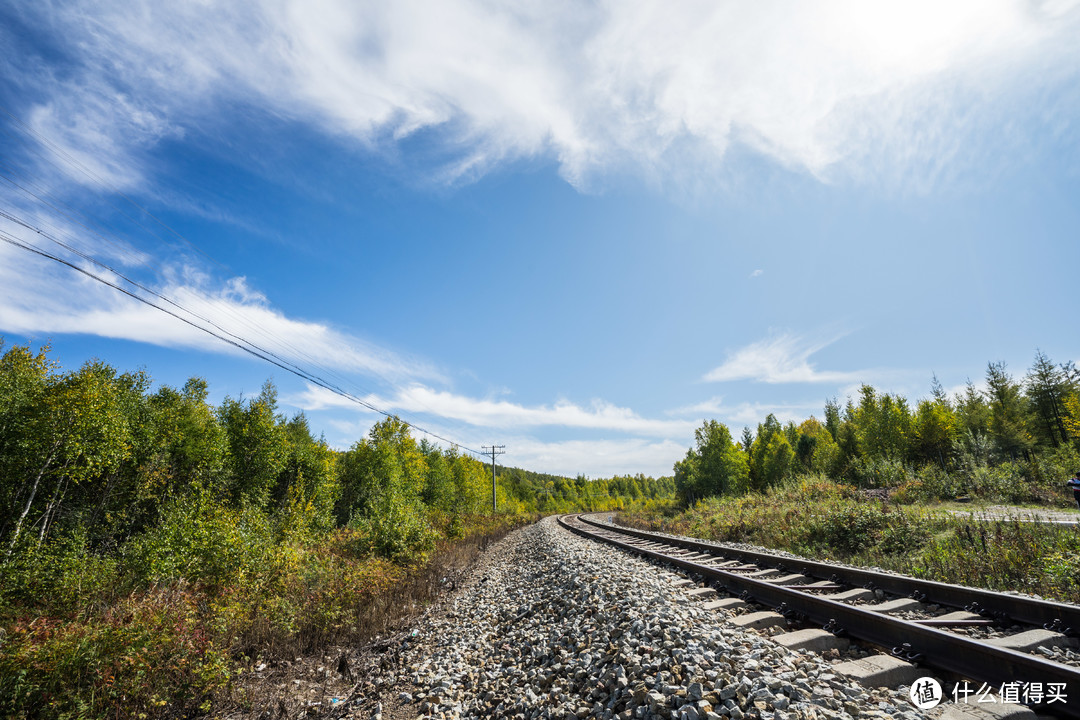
x=560, y=627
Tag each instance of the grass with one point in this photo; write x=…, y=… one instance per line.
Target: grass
x=823, y=520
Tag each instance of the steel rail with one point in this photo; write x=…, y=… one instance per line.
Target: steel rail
x=936, y=648
x=995, y=604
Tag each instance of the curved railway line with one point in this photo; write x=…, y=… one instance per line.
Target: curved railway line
x=819, y=598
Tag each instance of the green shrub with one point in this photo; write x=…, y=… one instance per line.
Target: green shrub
x=1051, y=470
x=202, y=541
x=879, y=472
x=1062, y=570
x=849, y=528
x=1005, y=482
x=60, y=576
x=904, y=535
x=937, y=484
x=1006, y=555
x=400, y=533
x=817, y=487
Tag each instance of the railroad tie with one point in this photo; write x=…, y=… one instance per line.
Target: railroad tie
x=880, y=671
x=759, y=620
x=792, y=579
x=727, y=564
x=853, y=594
x=1031, y=639
x=728, y=604
x=813, y=639
x=702, y=592
x=897, y=605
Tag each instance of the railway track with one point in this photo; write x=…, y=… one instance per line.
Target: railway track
x=819, y=598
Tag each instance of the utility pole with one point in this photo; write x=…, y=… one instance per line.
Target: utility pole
x=493, y=450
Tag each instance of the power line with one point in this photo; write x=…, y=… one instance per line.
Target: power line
x=238, y=343
x=66, y=211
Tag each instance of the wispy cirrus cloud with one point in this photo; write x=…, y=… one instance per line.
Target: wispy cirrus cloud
x=783, y=358
x=837, y=89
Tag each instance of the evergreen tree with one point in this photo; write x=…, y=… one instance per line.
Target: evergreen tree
x=1008, y=427
x=1047, y=385
x=257, y=447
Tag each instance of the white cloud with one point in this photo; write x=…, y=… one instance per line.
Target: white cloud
x=844, y=89
x=750, y=414
x=602, y=457
x=783, y=358
x=500, y=414
x=595, y=459
x=746, y=413
x=96, y=135
x=712, y=406
x=315, y=398
x=40, y=297
x=833, y=88
x=757, y=273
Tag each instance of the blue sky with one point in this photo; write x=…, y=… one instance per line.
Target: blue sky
x=575, y=229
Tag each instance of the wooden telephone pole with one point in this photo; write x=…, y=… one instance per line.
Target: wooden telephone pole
x=493, y=450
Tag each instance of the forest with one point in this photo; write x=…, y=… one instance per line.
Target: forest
x=151, y=543
x=1015, y=440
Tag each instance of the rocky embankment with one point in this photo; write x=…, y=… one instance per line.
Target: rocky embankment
x=552, y=626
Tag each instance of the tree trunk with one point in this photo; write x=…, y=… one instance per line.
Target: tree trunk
x=1058, y=419
x=1050, y=430
x=30, y=500
x=53, y=508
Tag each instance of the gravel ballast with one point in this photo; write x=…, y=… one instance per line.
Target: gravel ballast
x=554, y=626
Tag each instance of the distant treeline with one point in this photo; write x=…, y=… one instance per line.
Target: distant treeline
x=556, y=494
x=1016, y=440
